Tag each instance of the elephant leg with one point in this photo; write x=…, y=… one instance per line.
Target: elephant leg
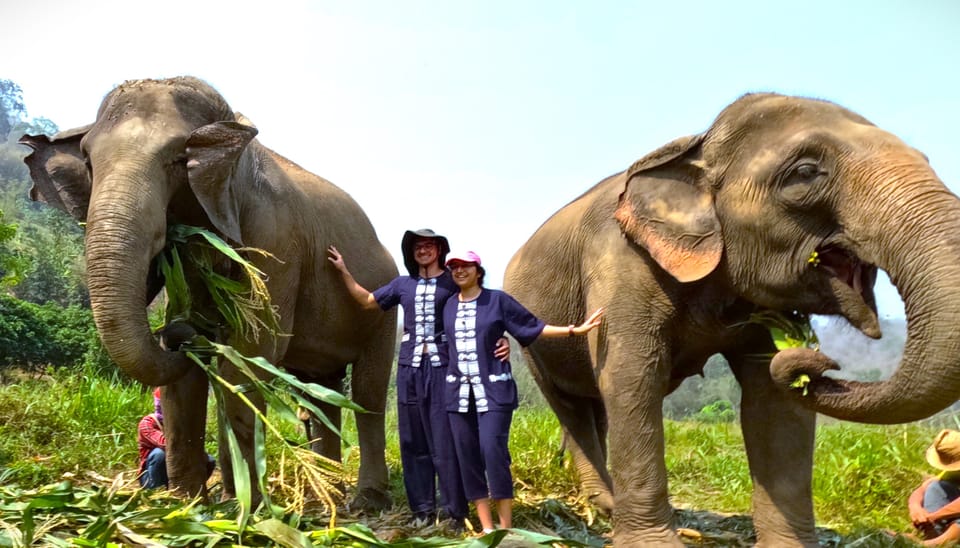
x=324, y=441
x=370, y=379
x=184, y=424
x=633, y=381
x=584, y=429
x=580, y=422
x=779, y=439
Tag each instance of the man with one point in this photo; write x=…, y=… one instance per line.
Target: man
x=935, y=505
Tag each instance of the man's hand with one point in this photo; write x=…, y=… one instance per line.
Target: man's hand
x=502, y=351
x=336, y=258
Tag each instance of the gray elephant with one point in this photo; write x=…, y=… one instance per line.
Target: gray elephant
x=172, y=151
x=692, y=239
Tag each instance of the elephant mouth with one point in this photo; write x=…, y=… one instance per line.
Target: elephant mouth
x=845, y=266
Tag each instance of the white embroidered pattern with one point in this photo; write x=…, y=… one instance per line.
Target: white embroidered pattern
x=465, y=333
x=424, y=322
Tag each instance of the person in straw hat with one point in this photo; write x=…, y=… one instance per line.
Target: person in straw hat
x=935, y=505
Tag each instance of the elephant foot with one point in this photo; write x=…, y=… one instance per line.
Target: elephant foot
x=663, y=537
x=603, y=501
x=370, y=501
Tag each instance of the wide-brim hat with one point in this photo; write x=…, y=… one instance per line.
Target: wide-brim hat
x=944, y=452
x=410, y=238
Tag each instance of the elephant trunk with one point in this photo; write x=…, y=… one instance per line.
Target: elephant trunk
x=917, y=241
x=126, y=228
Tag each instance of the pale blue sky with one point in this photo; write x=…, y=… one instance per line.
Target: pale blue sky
x=501, y=111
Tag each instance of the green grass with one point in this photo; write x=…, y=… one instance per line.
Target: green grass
x=69, y=423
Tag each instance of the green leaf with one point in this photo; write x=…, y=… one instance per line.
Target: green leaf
x=802, y=382
x=322, y=393
x=787, y=329
x=282, y=534
x=241, y=475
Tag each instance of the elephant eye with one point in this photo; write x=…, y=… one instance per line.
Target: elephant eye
x=807, y=172
x=798, y=180
x=803, y=172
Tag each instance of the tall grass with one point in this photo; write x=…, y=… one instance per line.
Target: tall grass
x=68, y=422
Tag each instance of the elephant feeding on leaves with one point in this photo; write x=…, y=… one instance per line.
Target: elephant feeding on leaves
x=172, y=151
x=681, y=249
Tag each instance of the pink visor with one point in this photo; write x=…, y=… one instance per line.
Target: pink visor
x=463, y=257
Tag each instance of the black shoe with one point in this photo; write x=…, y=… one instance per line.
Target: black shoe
x=421, y=519
x=454, y=526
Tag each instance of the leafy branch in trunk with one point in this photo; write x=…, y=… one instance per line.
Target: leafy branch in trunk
x=790, y=330
x=245, y=307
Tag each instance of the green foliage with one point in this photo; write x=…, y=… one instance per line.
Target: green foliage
x=718, y=411
x=67, y=424
x=12, y=264
x=716, y=384
x=118, y=516
x=35, y=335
x=70, y=423
x=789, y=329
x=243, y=304
x=42, y=261
x=12, y=108
x=52, y=244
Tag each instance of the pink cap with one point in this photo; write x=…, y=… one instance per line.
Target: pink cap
x=463, y=257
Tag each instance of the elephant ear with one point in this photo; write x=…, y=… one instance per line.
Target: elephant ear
x=667, y=209
x=213, y=152
x=59, y=172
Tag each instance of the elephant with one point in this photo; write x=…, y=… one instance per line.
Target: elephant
x=173, y=151
x=783, y=204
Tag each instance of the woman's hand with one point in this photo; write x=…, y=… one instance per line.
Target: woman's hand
x=593, y=321
x=502, y=351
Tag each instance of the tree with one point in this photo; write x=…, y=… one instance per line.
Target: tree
x=12, y=108
x=12, y=264
x=52, y=243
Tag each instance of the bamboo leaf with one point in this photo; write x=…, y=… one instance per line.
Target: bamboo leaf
x=241, y=475
x=283, y=534
x=317, y=391
x=802, y=382
x=260, y=465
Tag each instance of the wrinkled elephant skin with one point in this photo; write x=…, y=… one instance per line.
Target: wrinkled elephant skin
x=784, y=203
x=172, y=151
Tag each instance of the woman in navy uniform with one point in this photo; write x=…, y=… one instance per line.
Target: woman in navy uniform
x=480, y=391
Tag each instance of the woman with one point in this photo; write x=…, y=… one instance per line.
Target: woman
x=481, y=393
x=426, y=451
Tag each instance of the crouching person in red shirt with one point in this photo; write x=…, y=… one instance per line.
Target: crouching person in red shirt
x=152, y=444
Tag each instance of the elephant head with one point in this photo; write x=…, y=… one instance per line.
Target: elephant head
x=159, y=152
x=796, y=203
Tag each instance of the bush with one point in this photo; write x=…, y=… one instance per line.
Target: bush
x=33, y=336
x=718, y=411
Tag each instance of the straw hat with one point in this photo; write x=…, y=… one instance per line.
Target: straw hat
x=944, y=452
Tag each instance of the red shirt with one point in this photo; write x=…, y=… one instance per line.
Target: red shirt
x=149, y=437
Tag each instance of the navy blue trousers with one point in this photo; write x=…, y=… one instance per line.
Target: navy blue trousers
x=155, y=471
x=426, y=445
x=482, y=445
